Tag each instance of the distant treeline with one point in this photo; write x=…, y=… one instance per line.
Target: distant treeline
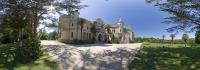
x=157, y=40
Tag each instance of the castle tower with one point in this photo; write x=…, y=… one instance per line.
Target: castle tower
x=120, y=24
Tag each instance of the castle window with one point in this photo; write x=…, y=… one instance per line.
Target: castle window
x=72, y=24
x=72, y=34
x=90, y=36
x=87, y=35
x=84, y=35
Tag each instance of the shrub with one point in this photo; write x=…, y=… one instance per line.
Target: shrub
x=29, y=48
x=79, y=41
x=6, y=38
x=115, y=41
x=197, y=37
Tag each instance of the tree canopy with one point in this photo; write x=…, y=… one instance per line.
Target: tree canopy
x=185, y=14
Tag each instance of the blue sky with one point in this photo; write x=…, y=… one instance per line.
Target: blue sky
x=143, y=18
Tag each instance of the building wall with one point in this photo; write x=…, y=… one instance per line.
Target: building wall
x=71, y=30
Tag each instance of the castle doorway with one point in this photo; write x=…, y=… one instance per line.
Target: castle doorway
x=99, y=37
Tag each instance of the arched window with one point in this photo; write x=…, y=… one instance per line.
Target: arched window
x=72, y=24
x=72, y=34
x=89, y=35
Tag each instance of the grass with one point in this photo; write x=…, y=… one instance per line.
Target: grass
x=9, y=61
x=154, y=56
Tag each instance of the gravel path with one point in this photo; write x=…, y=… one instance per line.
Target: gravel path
x=91, y=57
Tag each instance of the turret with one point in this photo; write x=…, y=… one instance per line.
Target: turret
x=120, y=23
x=76, y=13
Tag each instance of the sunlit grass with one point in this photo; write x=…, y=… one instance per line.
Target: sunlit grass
x=155, y=56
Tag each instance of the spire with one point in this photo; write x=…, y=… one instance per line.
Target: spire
x=120, y=20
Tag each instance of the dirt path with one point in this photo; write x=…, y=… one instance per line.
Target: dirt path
x=91, y=57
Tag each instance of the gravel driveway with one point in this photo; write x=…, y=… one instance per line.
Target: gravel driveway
x=91, y=57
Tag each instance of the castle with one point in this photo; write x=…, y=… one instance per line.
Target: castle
x=70, y=28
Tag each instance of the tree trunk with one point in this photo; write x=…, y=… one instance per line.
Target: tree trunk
x=185, y=45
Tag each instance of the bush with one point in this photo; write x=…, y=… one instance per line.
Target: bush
x=79, y=41
x=115, y=41
x=197, y=37
x=29, y=48
x=156, y=40
x=6, y=38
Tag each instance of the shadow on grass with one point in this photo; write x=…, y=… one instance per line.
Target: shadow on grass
x=9, y=60
x=167, y=58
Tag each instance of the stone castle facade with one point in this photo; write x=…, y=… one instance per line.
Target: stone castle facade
x=70, y=29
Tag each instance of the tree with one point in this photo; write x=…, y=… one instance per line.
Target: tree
x=197, y=37
x=69, y=6
x=185, y=39
x=94, y=30
x=107, y=28
x=183, y=13
x=53, y=35
x=43, y=35
x=81, y=22
x=22, y=17
x=172, y=37
x=163, y=38
x=27, y=13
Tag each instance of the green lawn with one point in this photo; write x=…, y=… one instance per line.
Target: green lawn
x=9, y=61
x=154, y=56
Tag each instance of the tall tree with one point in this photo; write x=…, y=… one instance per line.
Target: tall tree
x=69, y=6
x=14, y=18
x=94, y=30
x=172, y=37
x=30, y=10
x=107, y=28
x=197, y=37
x=183, y=13
x=82, y=22
x=185, y=38
x=21, y=18
x=163, y=38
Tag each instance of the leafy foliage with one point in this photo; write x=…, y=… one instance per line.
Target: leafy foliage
x=94, y=29
x=157, y=40
x=185, y=39
x=29, y=48
x=6, y=38
x=197, y=37
x=183, y=13
x=43, y=35
x=79, y=42
x=172, y=37
x=53, y=35
x=81, y=23
x=69, y=6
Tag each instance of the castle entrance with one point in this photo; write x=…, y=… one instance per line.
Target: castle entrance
x=99, y=37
